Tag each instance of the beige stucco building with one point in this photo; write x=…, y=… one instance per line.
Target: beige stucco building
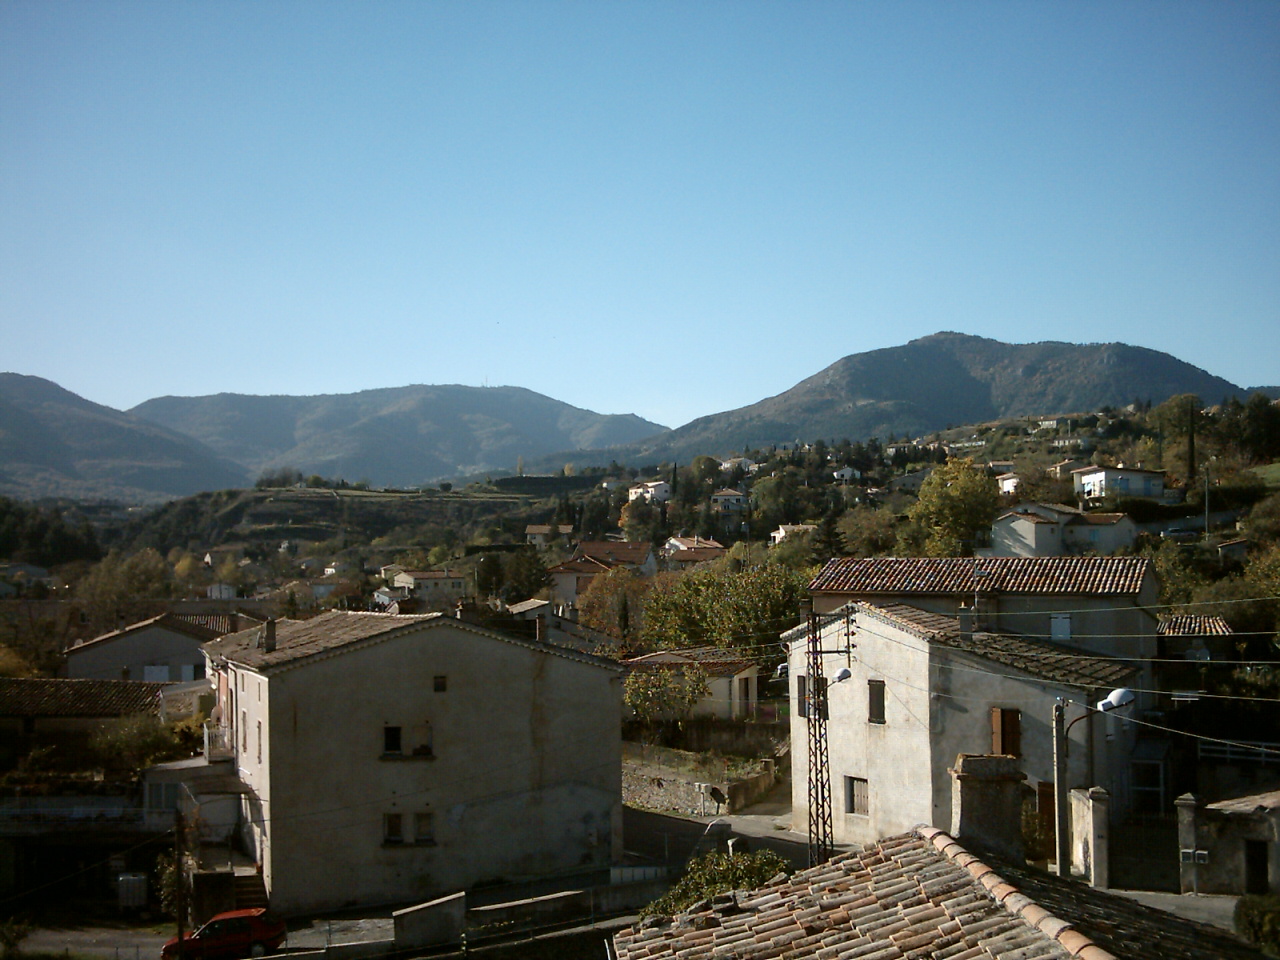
x=394, y=758
x=160, y=650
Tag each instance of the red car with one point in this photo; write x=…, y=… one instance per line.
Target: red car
x=230, y=936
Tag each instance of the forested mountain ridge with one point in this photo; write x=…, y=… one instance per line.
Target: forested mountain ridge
x=398, y=436
x=942, y=380
x=54, y=443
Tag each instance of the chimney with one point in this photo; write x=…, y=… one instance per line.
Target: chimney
x=269, y=636
x=966, y=622
x=540, y=627
x=986, y=804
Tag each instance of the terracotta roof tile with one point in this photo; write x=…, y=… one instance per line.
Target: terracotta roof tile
x=1039, y=658
x=77, y=698
x=1191, y=625
x=1037, y=576
x=910, y=896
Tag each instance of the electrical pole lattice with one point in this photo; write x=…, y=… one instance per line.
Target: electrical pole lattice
x=820, y=841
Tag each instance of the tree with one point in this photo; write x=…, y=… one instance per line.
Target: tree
x=613, y=603
x=115, y=585
x=746, y=608
x=868, y=531
x=957, y=500
x=524, y=574
x=717, y=873
x=488, y=574
x=828, y=541
x=132, y=743
x=664, y=693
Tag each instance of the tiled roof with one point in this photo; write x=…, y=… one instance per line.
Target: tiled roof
x=716, y=662
x=218, y=623
x=167, y=620
x=1191, y=625
x=298, y=640
x=432, y=574
x=1028, y=515
x=1101, y=519
x=77, y=698
x=728, y=493
x=697, y=554
x=922, y=895
x=524, y=606
x=689, y=543
x=582, y=565
x=1039, y=658
x=614, y=552
x=1037, y=576
x=1254, y=803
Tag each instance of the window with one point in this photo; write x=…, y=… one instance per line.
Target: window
x=1006, y=732
x=259, y=741
x=1059, y=626
x=424, y=827
x=393, y=828
x=855, y=796
x=440, y=684
x=875, y=701
x=802, y=696
x=391, y=740
x=244, y=731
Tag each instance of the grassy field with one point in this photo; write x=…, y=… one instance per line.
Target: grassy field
x=1270, y=474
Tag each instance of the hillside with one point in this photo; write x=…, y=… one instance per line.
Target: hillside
x=402, y=436
x=54, y=443
x=938, y=381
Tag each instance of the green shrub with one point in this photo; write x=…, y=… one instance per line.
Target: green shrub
x=717, y=873
x=1257, y=919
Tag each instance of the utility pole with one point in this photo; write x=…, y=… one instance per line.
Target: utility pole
x=179, y=892
x=820, y=831
x=1062, y=837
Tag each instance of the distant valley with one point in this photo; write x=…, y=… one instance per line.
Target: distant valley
x=54, y=443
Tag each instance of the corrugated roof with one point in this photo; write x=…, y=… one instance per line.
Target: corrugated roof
x=922, y=894
x=1042, y=659
x=1036, y=576
x=77, y=698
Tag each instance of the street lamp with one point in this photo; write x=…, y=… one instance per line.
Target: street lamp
x=1118, y=699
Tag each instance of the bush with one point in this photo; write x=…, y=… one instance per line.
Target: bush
x=1257, y=919
x=717, y=873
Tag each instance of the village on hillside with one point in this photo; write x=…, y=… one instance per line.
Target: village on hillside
x=826, y=698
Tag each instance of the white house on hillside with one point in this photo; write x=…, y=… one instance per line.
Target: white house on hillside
x=1094, y=483
x=928, y=679
x=392, y=758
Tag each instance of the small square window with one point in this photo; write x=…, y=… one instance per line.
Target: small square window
x=391, y=740
x=855, y=796
x=440, y=684
x=393, y=828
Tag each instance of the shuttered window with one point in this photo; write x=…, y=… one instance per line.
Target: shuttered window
x=1006, y=732
x=875, y=701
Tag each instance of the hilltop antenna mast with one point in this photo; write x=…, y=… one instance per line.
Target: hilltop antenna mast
x=820, y=830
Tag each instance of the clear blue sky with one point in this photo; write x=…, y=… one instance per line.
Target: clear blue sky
x=669, y=209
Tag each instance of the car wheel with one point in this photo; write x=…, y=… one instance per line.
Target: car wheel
x=258, y=950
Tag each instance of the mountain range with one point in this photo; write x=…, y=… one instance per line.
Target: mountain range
x=947, y=379
x=54, y=443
